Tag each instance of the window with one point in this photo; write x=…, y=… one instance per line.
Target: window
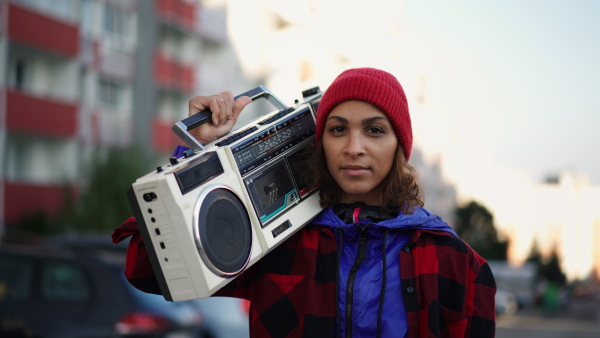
x=111, y=94
x=115, y=20
x=87, y=17
x=16, y=164
x=20, y=71
x=19, y=74
x=64, y=281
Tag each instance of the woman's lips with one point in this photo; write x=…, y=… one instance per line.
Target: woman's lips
x=354, y=170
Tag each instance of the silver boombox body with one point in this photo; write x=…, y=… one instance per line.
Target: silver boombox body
x=211, y=214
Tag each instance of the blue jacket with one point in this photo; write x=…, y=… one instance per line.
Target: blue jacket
x=368, y=292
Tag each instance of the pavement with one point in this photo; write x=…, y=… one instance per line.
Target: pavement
x=579, y=319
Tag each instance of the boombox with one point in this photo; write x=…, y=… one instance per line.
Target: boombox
x=212, y=213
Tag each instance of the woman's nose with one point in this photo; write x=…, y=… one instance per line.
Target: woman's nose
x=355, y=146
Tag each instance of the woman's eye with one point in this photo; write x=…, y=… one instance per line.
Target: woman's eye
x=375, y=130
x=337, y=129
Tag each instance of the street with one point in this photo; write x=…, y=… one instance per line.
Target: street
x=580, y=319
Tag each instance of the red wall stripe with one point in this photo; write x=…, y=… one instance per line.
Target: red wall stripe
x=26, y=113
x=23, y=199
x=36, y=29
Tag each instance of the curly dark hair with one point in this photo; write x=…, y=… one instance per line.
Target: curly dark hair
x=401, y=186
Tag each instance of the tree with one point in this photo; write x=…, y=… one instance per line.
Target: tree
x=548, y=268
x=102, y=203
x=475, y=225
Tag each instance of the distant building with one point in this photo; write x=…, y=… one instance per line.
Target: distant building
x=439, y=194
x=76, y=75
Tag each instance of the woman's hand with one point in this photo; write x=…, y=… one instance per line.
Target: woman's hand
x=225, y=112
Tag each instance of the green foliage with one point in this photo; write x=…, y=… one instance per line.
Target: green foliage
x=475, y=225
x=552, y=271
x=31, y=228
x=38, y=223
x=102, y=204
x=548, y=268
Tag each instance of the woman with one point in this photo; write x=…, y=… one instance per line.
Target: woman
x=374, y=262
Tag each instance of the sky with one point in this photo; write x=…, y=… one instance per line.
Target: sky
x=516, y=82
x=502, y=94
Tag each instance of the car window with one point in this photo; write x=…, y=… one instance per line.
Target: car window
x=153, y=301
x=64, y=281
x=15, y=277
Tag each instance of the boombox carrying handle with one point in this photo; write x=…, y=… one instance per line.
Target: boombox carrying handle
x=183, y=127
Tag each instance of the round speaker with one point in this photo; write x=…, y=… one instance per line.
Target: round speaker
x=222, y=231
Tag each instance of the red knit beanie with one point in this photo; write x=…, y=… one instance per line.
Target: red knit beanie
x=376, y=87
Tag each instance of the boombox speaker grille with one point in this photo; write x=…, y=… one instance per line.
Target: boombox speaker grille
x=224, y=231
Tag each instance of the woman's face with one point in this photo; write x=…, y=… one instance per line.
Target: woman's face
x=360, y=144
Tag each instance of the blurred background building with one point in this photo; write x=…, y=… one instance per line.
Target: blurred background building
x=77, y=75
x=81, y=75
x=80, y=78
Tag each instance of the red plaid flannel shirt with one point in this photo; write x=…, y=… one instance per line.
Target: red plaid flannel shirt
x=448, y=289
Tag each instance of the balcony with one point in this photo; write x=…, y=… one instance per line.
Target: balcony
x=177, y=12
x=46, y=116
x=171, y=75
x=35, y=29
x=27, y=198
x=116, y=64
x=164, y=139
x=112, y=131
x=89, y=52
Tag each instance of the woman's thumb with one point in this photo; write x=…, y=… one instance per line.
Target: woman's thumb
x=240, y=103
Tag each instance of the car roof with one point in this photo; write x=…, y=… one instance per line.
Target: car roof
x=99, y=241
x=87, y=255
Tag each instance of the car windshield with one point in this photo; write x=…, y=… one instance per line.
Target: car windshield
x=151, y=300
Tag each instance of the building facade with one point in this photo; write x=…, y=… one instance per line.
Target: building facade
x=78, y=75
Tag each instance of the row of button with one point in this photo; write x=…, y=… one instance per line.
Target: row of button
x=277, y=116
x=236, y=136
x=409, y=289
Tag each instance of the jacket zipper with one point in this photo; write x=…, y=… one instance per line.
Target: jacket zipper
x=361, y=255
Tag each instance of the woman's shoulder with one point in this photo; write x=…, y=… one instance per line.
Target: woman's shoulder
x=454, y=254
x=307, y=237
x=447, y=243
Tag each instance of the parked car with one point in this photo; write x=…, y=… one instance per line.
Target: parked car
x=224, y=317
x=506, y=302
x=61, y=293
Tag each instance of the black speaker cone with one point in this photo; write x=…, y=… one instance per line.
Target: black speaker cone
x=224, y=231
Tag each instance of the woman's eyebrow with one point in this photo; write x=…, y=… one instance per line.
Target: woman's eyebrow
x=365, y=121
x=339, y=119
x=371, y=120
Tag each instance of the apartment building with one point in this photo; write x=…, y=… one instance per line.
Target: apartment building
x=76, y=75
